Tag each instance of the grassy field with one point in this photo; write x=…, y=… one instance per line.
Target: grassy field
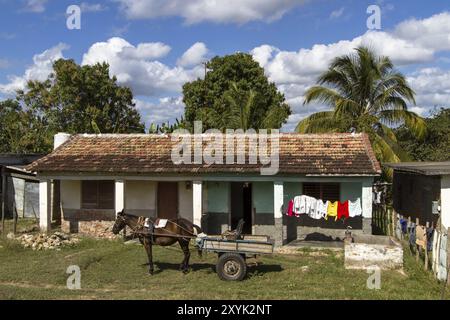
x=113, y=270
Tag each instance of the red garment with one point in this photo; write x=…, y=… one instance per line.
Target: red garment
x=343, y=210
x=290, y=210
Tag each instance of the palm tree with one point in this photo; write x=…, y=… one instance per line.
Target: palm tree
x=368, y=95
x=241, y=105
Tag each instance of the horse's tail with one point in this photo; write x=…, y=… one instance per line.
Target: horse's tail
x=197, y=231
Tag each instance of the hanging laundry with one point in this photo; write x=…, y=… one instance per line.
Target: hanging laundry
x=332, y=210
x=299, y=205
x=313, y=212
x=290, y=210
x=343, y=210
x=321, y=208
x=404, y=224
x=354, y=208
x=303, y=204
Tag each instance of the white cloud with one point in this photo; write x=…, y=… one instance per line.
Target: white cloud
x=92, y=7
x=40, y=69
x=135, y=66
x=433, y=32
x=146, y=51
x=165, y=110
x=432, y=86
x=410, y=42
x=305, y=64
x=337, y=13
x=195, y=55
x=35, y=5
x=195, y=11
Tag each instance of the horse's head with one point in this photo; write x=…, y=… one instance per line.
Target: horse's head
x=120, y=222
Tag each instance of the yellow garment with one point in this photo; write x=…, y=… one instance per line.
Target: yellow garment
x=332, y=210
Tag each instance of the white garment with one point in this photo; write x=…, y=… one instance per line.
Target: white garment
x=298, y=204
x=303, y=204
x=321, y=208
x=313, y=212
x=354, y=208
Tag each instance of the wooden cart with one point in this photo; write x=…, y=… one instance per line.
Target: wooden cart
x=232, y=253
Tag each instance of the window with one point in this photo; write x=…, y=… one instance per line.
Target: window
x=324, y=191
x=97, y=194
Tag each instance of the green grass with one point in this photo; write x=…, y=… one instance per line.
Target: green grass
x=113, y=270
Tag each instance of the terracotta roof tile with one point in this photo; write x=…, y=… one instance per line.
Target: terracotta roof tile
x=313, y=154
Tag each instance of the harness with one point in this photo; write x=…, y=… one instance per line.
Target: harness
x=146, y=227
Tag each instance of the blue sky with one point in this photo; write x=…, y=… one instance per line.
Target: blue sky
x=153, y=46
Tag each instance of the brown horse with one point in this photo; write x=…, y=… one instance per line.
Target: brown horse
x=180, y=230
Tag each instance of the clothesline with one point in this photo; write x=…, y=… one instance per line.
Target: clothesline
x=319, y=209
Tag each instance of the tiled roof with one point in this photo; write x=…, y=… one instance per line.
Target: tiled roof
x=313, y=154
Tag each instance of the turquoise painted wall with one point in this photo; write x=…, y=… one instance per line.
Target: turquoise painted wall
x=262, y=194
x=351, y=191
x=291, y=189
x=217, y=193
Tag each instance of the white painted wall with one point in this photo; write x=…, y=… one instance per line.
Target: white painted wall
x=197, y=202
x=278, y=199
x=71, y=194
x=140, y=195
x=366, y=201
x=45, y=214
x=185, y=201
x=445, y=201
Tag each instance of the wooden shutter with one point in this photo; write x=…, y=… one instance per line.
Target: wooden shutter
x=106, y=194
x=97, y=194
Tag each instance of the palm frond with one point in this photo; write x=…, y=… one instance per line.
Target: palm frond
x=411, y=120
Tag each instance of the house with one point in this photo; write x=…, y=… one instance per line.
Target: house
x=19, y=188
x=422, y=190
x=100, y=175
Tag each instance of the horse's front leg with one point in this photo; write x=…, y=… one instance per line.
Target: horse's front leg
x=148, y=249
x=185, y=247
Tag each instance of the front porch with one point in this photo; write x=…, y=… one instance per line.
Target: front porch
x=216, y=204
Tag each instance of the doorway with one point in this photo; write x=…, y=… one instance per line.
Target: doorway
x=167, y=200
x=241, y=205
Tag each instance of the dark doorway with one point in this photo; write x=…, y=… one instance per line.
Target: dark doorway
x=241, y=205
x=168, y=200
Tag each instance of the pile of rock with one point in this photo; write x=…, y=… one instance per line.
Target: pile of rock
x=43, y=241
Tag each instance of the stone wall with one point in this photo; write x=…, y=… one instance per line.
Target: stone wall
x=96, y=223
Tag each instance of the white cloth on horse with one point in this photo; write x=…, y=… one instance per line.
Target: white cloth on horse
x=160, y=223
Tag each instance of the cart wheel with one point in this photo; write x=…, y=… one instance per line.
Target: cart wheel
x=231, y=266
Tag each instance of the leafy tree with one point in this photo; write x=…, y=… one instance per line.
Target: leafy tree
x=234, y=93
x=436, y=146
x=368, y=95
x=21, y=131
x=82, y=99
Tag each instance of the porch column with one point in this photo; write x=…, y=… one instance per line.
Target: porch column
x=278, y=212
x=197, y=203
x=366, y=204
x=45, y=207
x=120, y=196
